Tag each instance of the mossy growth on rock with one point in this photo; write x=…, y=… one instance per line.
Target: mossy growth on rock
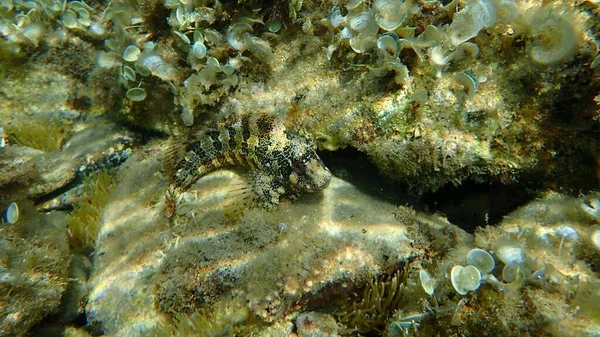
x=369, y=312
x=205, y=323
x=85, y=218
x=44, y=134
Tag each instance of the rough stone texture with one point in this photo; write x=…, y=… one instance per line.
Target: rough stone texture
x=266, y=265
x=34, y=269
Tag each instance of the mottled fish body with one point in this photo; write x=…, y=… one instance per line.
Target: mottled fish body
x=282, y=163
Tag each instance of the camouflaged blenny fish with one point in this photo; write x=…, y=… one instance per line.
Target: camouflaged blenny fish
x=282, y=163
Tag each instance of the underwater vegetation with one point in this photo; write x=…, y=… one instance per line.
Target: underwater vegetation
x=41, y=134
x=34, y=268
x=84, y=220
x=433, y=93
x=368, y=312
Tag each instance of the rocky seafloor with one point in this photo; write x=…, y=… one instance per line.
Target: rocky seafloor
x=462, y=137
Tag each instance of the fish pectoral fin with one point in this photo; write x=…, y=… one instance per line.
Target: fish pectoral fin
x=260, y=190
x=267, y=190
x=173, y=155
x=239, y=199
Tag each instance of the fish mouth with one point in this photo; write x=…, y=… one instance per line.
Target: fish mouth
x=319, y=188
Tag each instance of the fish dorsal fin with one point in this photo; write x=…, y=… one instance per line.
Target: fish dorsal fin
x=175, y=151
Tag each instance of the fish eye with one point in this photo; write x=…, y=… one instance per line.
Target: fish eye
x=298, y=166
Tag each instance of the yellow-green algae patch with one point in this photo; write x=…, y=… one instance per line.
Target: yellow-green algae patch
x=40, y=133
x=84, y=220
x=34, y=268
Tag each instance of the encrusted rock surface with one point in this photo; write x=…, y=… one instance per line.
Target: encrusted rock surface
x=266, y=265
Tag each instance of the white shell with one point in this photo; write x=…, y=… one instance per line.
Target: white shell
x=353, y=4
x=465, y=279
x=595, y=63
x=553, y=38
x=427, y=282
x=274, y=25
x=108, y=59
x=509, y=251
x=566, y=233
x=198, y=49
x=3, y=137
x=507, y=11
x=389, y=14
x=183, y=39
x=258, y=47
x=437, y=56
x=467, y=23
x=402, y=74
x=187, y=117
x=236, y=35
x=591, y=207
x=12, y=213
x=69, y=19
x=539, y=275
x=198, y=36
x=213, y=63
x=212, y=36
x=482, y=260
x=345, y=33
x=335, y=17
x=595, y=238
x=511, y=272
x=468, y=81
x=388, y=45
x=136, y=94
x=363, y=22
x=362, y=43
x=128, y=73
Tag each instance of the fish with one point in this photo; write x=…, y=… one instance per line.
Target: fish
x=281, y=163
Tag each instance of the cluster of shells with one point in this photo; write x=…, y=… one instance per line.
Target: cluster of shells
x=380, y=26
x=214, y=55
x=360, y=30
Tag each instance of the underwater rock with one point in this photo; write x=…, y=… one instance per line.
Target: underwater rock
x=551, y=275
x=34, y=269
x=146, y=267
x=96, y=144
x=315, y=324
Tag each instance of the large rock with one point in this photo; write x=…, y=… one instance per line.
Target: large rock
x=263, y=266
